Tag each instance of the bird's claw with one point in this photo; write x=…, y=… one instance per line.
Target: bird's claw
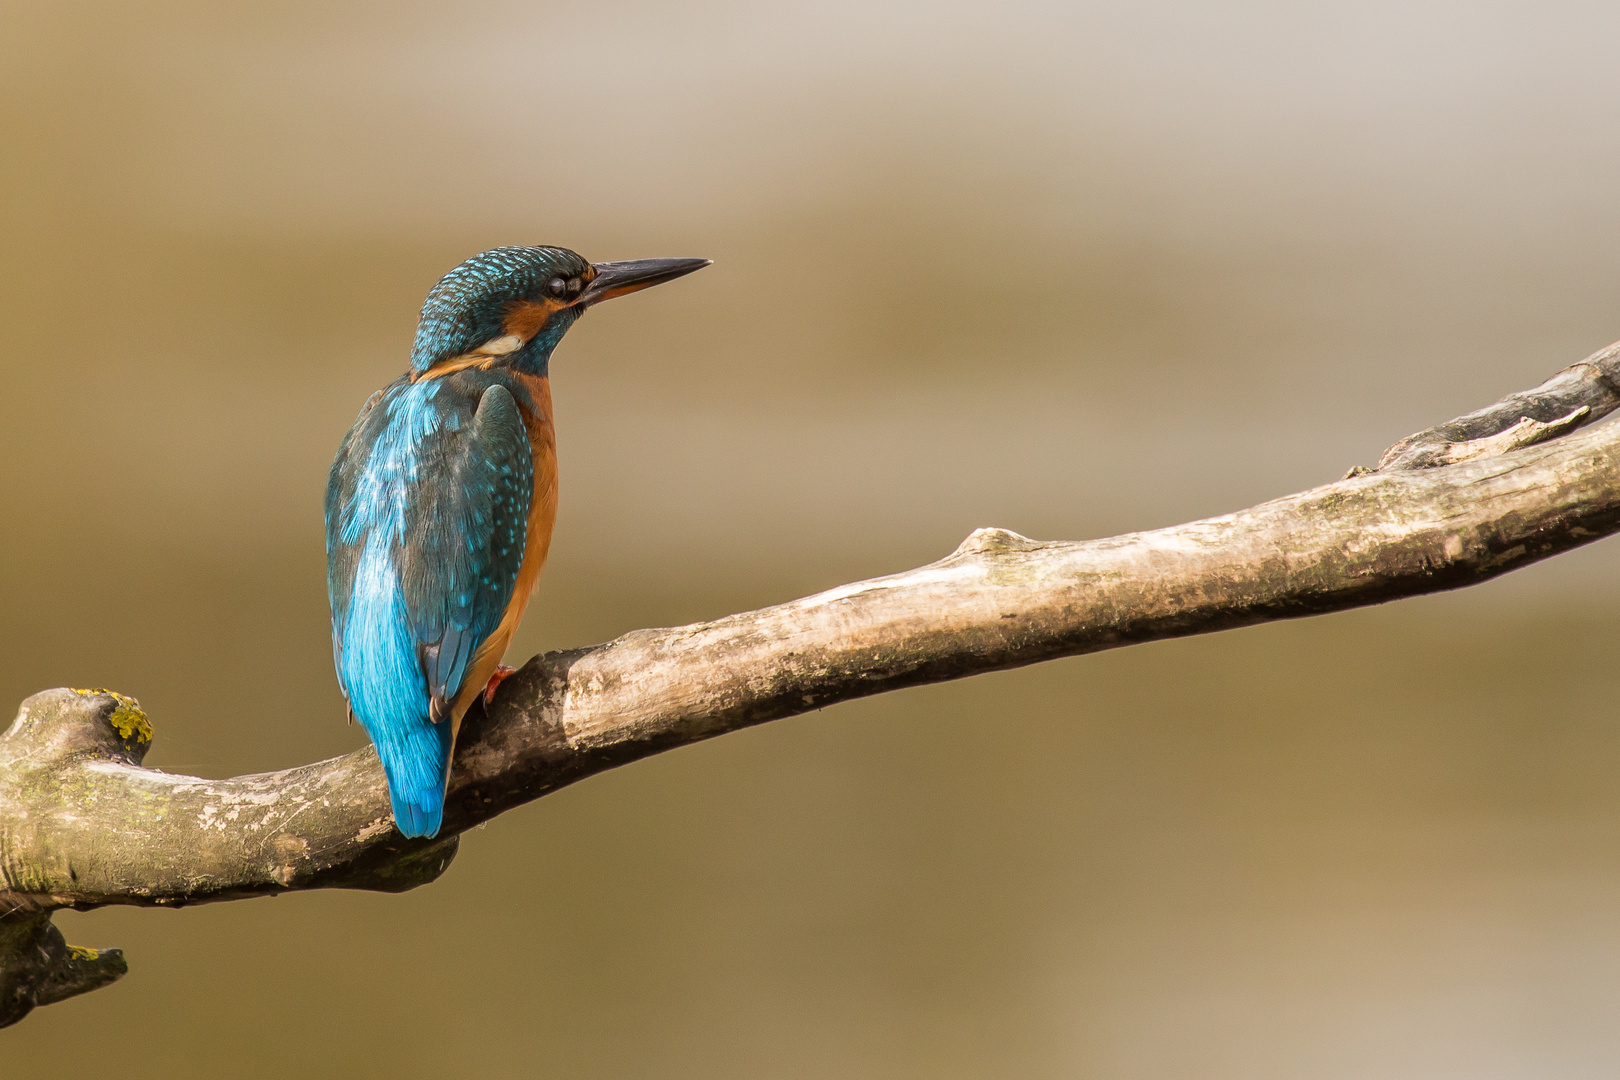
x=502, y=673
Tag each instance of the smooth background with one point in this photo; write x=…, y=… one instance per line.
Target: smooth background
x=1070, y=269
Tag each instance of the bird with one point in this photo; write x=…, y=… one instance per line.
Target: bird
x=440, y=505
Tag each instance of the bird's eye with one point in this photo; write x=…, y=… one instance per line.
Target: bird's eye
x=557, y=286
x=574, y=285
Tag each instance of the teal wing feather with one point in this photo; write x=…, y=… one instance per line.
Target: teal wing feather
x=461, y=569
x=427, y=512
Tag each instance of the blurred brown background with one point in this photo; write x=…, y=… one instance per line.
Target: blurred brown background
x=1070, y=269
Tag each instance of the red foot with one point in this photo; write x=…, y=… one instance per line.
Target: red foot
x=502, y=673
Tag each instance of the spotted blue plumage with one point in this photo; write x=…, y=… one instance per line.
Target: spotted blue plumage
x=429, y=499
x=465, y=308
x=427, y=509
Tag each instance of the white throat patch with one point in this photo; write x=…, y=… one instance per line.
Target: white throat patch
x=500, y=346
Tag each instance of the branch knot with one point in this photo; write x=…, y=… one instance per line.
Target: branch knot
x=992, y=540
x=55, y=726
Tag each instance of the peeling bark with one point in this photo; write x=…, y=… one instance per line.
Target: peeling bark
x=1549, y=410
x=83, y=824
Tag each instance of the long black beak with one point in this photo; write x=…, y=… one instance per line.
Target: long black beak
x=618, y=278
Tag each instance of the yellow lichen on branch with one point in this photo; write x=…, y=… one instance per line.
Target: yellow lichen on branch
x=128, y=719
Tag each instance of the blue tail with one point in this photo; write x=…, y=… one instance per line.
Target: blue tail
x=415, y=756
x=383, y=679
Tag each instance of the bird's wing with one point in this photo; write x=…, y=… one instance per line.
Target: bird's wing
x=448, y=499
x=343, y=553
x=464, y=543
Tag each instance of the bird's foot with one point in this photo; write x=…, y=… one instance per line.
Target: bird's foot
x=502, y=673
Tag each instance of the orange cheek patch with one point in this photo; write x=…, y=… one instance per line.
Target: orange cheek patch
x=454, y=364
x=526, y=318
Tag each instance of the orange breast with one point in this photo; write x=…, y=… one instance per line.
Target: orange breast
x=542, y=515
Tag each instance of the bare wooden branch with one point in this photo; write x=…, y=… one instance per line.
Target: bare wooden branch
x=1578, y=395
x=83, y=824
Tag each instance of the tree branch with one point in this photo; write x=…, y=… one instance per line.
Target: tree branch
x=1576, y=396
x=83, y=824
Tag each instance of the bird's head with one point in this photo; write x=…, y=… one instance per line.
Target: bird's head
x=513, y=304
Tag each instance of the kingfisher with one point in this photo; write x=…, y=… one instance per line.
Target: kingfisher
x=440, y=504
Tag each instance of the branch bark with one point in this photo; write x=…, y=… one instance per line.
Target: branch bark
x=83, y=824
x=1577, y=395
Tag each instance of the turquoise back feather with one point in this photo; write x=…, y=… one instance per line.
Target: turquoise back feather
x=426, y=516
